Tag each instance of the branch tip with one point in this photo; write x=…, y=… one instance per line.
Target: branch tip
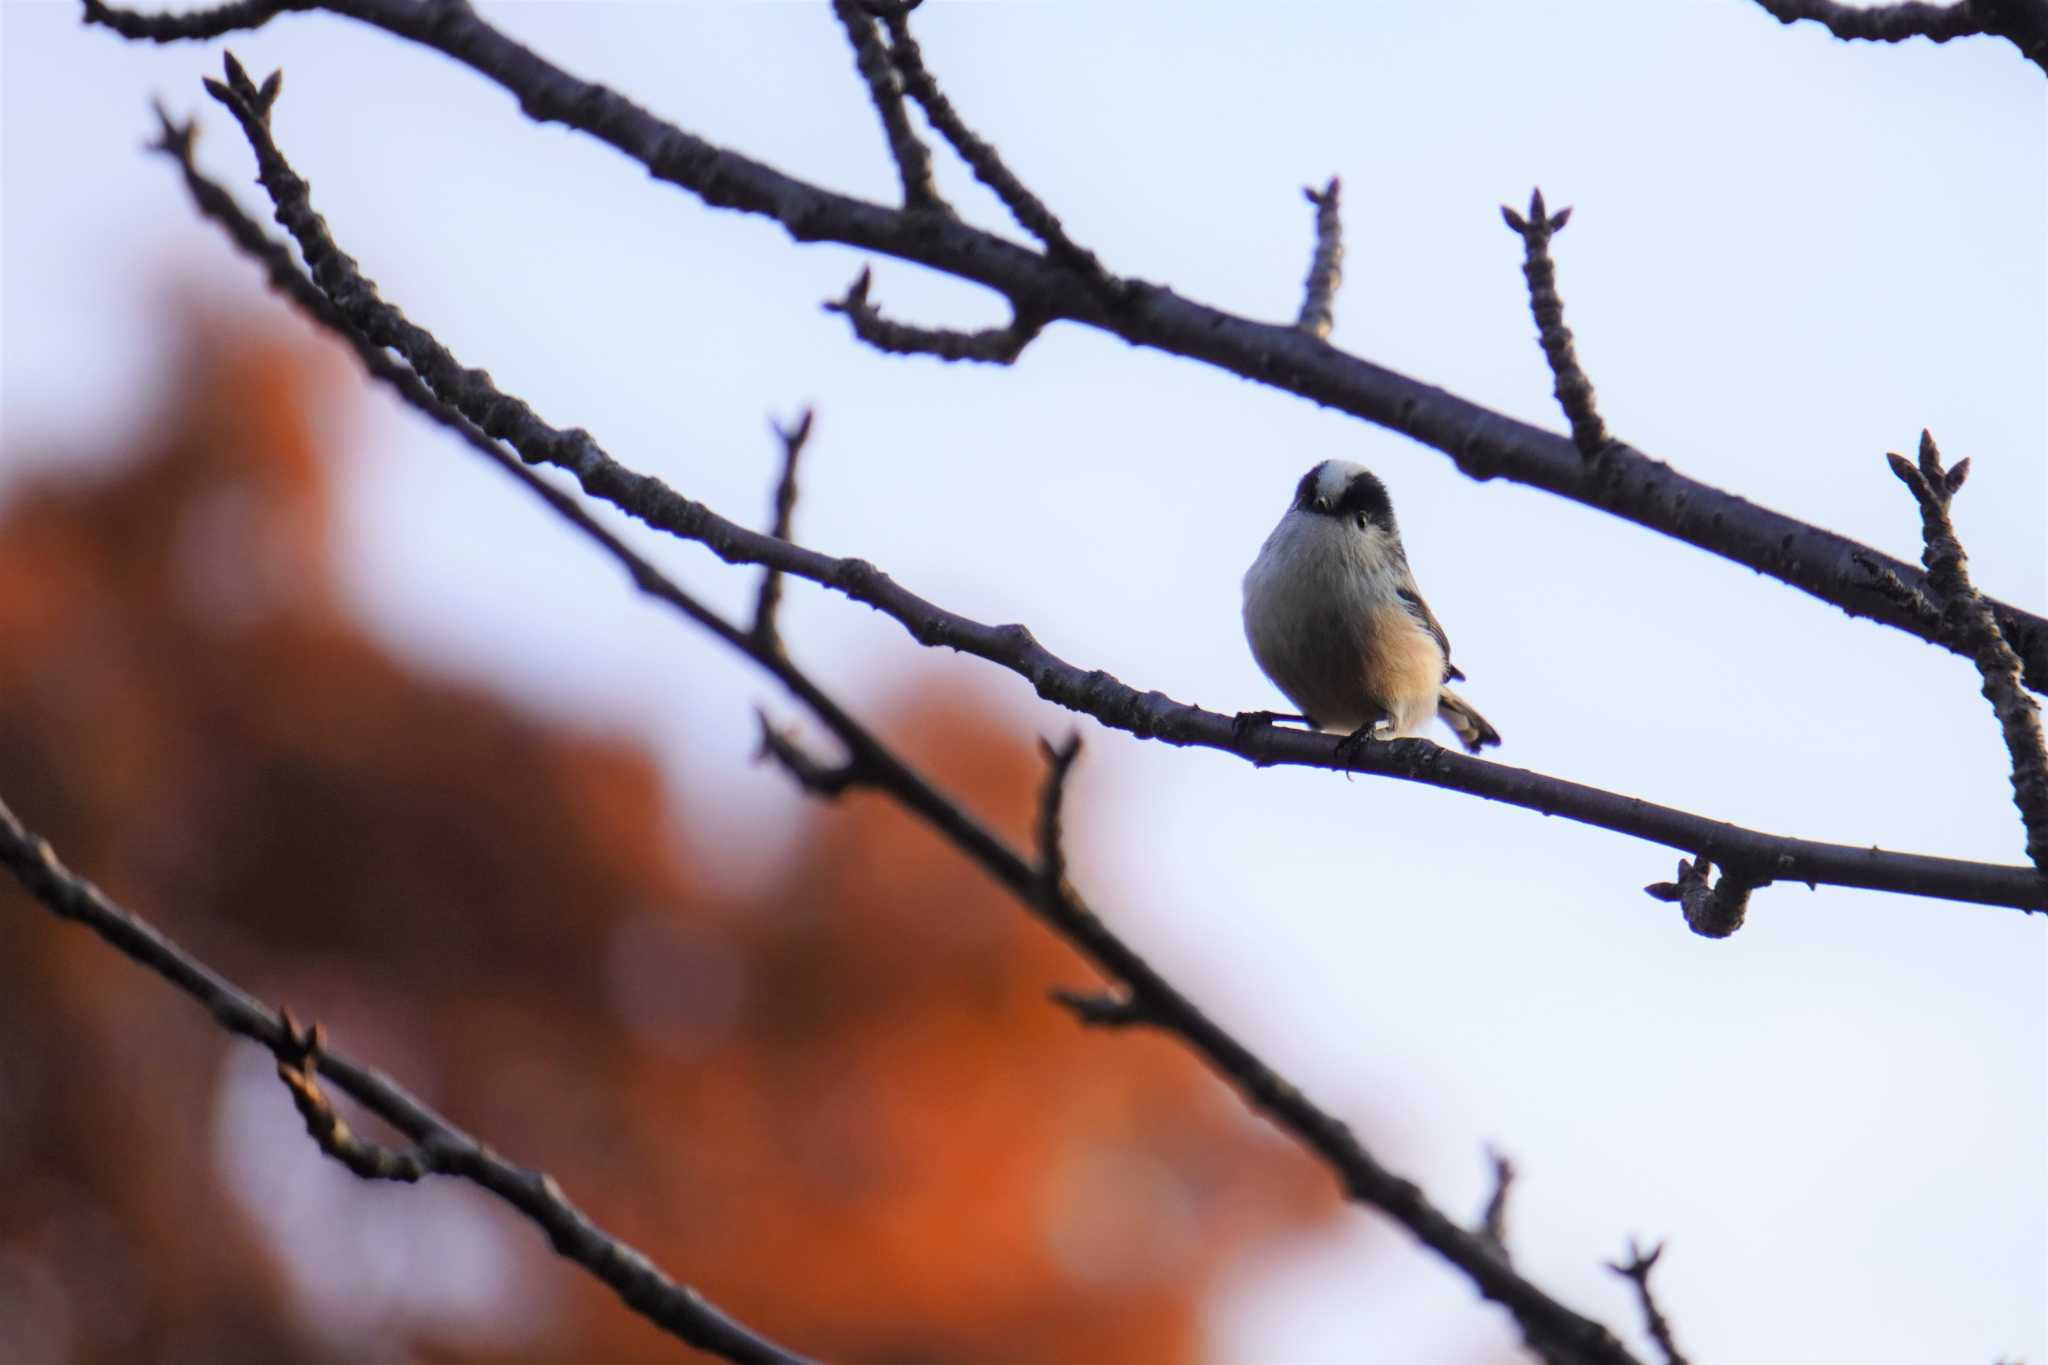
x=1712, y=909
x=1100, y=1009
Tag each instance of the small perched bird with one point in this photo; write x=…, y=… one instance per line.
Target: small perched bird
x=1334, y=618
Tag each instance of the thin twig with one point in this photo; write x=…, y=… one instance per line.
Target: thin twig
x=1969, y=621
x=1325, y=266
x=987, y=164
x=1573, y=389
x=1052, y=852
x=1712, y=909
x=2023, y=23
x=770, y=599
x=440, y=1146
x=871, y=764
x=1493, y=1224
x=1093, y=692
x=1481, y=442
x=1637, y=1272
x=993, y=346
x=885, y=88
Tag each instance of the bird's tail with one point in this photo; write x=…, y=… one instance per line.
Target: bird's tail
x=1471, y=727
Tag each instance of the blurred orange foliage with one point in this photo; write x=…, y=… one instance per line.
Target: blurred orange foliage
x=843, y=1109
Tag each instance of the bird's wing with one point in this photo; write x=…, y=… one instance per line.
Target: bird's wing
x=1419, y=609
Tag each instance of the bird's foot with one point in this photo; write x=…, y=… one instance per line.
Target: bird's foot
x=1353, y=745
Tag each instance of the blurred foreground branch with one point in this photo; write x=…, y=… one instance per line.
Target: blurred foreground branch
x=439, y=1147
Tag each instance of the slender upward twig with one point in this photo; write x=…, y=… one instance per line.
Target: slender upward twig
x=1325, y=266
x=770, y=598
x=987, y=164
x=1482, y=442
x=885, y=88
x=1968, y=618
x=2023, y=23
x=1573, y=389
x=440, y=1147
x=1149, y=714
x=1566, y=1335
x=1636, y=1270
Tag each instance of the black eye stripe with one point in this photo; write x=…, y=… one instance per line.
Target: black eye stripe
x=1366, y=497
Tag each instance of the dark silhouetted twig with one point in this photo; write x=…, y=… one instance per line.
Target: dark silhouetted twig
x=1969, y=621
x=1493, y=1224
x=770, y=598
x=1637, y=1272
x=1325, y=265
x=885, y=88
x=994, y=345
x=440, y=1146
x=987, y=164
x=1573, y=389
x=1482, y=442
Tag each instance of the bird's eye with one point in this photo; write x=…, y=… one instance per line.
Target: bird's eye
x=1361, y=521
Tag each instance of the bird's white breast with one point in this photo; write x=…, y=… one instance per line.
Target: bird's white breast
x=1324, y=618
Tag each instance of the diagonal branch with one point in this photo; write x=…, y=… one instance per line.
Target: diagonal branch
x=1482, y=442
x=1092, y=692
x=885, y=88
x=1325, y=265
x=441, y=1147
x=1573, y=389
x=1969, y=621
x=988, y=167
x=2023, y=23
x=871, y=764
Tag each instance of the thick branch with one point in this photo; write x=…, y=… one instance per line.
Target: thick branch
x=2023, y=23
x=676, y=1308
x=1094, y=693
x=1573, y=389
x=1969, y=621
x=1483, y=443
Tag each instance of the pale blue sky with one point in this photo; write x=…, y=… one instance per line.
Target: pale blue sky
x=1787, y=256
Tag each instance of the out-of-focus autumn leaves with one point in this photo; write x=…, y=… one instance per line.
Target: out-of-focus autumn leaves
x=843, y=1109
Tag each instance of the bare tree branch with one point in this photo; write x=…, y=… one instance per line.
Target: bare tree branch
x=1093, y=692
x=871, y=764
x=770, y=598
x=987, y=164
x=1637, y=1272
x=1493, y=1224
x=441, y=1147
x=885, y=88
x=1483, y=443
x=2023, y=23
x=1573, y=389
x=1325, y=266
x=1969, y=620
x=994, y=346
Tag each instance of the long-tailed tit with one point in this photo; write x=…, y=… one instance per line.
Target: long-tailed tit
x=1335, y=620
